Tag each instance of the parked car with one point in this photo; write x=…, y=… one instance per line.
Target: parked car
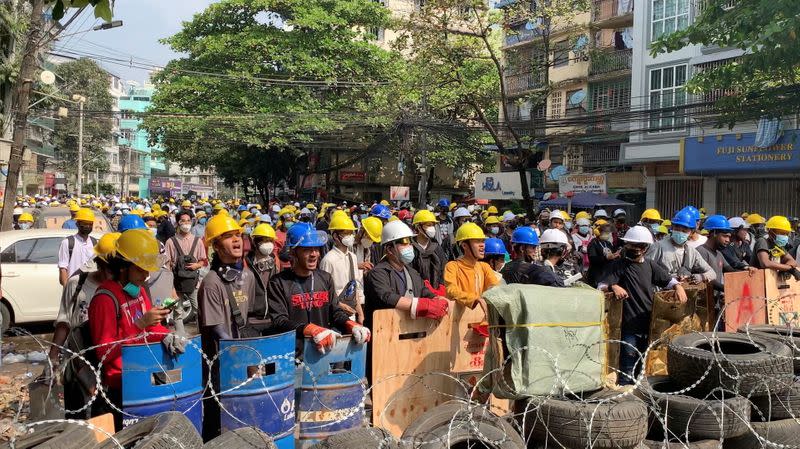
x=54, y=217
x=29, y=277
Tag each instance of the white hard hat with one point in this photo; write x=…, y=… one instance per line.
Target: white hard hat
x=305, y=211
x=600, y=213
x=583, y=222
x=638, y=234
x=18, y=211
x=553, y=236
x=265, y=218
x=461, y=212
x=276, y=208
x=395, y=230
x=296, y=204
x=737, y=222
x=508, y=215
x=558, y=214
x=619, y=212
x=471, y=208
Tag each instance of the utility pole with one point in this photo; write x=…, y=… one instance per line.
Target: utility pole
x=23, y=95
x=97, y=182
x=81, y=100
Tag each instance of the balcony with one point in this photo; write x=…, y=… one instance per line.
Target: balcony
x=523, y=82
x=520, y=33
x=600, y=155
x=612, y=13
x=609, y=63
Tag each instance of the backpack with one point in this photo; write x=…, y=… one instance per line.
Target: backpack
x=185, y=280
x=71, y=245
x=79, y=340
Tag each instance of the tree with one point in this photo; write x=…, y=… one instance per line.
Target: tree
x=83, y=77
x=13, y=25
x=266, y=81
x=761, y=82
x=455, y=45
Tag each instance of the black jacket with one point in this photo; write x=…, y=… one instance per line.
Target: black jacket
x=516, y=272
x=429, y=262
x=383, y=288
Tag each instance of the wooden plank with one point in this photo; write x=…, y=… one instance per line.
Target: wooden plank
x=468, y=347
x=404, y=351
x=783, y=298
x=612, y=329
x=745, y=299
x=104, y=426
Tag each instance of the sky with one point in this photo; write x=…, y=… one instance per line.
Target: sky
x=144, y=23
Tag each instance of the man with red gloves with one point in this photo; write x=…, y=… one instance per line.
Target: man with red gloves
x=302, y=298
x=393, y=284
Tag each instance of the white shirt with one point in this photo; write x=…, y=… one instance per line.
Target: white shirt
x=337, y=265
x=699, y=242
x=81, y=252
x=75, y=314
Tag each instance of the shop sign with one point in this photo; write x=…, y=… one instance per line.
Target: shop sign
x=738, y=154
x=584, y=182
x=499, y=186
x=352, y=176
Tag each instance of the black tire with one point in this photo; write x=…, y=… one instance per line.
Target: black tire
x=608, y=420
x=55, y=436
x=788, y=336
x=776, y=406
x=5, y=318
x=475, y=434
x=717, y=417
x=242, y=438
x=373, y=437
x=705, y=444
x=745, y=365
x=778, y=435
x=456, y=414
x=168, y=430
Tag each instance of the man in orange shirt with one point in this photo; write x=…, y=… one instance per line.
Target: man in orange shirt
x=466, y=278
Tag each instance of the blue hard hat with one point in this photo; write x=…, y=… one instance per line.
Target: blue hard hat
x=241, y=208
x=444, y=202
x=693, y=212
x=525, y=235
x=495, y=247
x=684, y=218
x=717, y=223
x=380, y=211
x=304, y=235
x=130, y=221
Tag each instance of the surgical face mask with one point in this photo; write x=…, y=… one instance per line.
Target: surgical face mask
x=288, y=224
x=348, y=240
x=132, y=290
x=266, y=248
x=679, y=237
x=568, y=225
x=248, y=230
x=584, y=229
x=781, y=240
x=606, y=236
x=363, y=216
x=430, y=231
x=406, y=255
x=202, y=221
x=153, y=231
x=186, y=227
x=25, y=225
x=366, y=242
x=494, y=230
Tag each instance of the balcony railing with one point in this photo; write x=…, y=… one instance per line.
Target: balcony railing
x=610, y=9
x=608, y=61
x=523, y=82
x=521, y=33
x=600, y=155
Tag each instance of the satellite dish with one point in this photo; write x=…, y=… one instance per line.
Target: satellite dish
x=557, y=172
x=529, y=26
x=581, y=43
x=47, y=77
x=577, y=98
x=544, y=164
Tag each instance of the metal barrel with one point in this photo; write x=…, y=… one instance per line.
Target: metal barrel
x=153, y=382
x=257, y=377
x=332, y=390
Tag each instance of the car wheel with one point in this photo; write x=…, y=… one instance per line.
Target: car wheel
x=5, y=318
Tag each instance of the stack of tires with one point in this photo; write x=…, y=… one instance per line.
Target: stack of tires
x=722, y=387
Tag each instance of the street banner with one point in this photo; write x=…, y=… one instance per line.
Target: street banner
x=583, y=182
x=499, y=186
x=399, y=193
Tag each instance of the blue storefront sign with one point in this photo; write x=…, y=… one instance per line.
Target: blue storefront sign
x=738, y=154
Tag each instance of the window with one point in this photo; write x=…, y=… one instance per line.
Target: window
x=667, y=96
x=141, y=98
x=561, y=54
x=573, y=109
x=376, y=33
x=610, y=95
x=556, y=104
x=44, y=251
x=669, y=16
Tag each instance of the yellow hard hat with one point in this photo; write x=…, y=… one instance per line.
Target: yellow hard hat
x=220, y=224
x=200, y=214
x=25, y=217
x=484, y=215
x=341, y=222
x=74, y=207
x=106, y=245
x=172, y=200
x=244, y=214
x=311, y=206
x=424, y=216
x=453, y=206
x=83, y=201
x=242, y=221
x=139, y=247
x=186, y=203
x=755, y=219
x=156, y=207
x=263, y=230
x=469, y=231
x=84, y=214
x=779, y=222
x=217, y=206
x=492, y=220
x=385, y=203
x=492, y=210
x=666, y=223
x=663, y=229
x=392, y=218
x=583, y=214
x=651, y=214
x=284, y=211
x=373, y=226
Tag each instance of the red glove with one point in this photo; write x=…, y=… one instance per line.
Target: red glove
x=323, y=337
x=441, y=291
x=360, y=333
x=481, y=328
x=434, y=308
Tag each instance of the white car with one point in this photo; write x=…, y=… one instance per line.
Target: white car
x=29, y=280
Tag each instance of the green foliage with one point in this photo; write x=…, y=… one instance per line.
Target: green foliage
x=13, y=26
x=243, y=97
x=83, y=77
x=102, y=8
x=763, y=81
x=105, y=188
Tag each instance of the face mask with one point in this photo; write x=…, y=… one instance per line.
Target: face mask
x=266, y=248
x=248, y=230
x=132, y=290
x=366, y=242
x=781, y=240
x=288, y=224
x=202, y=221
x=494, y=230
x=363, y=216
x=654, y=228
x=607, y=237
x=407, y=255
x=85, y=229
x=632, y=254
x=583, y=229
x=430, y=232
x=568, y=225
x=186, y=227
x=679, y=237
x=25, y=225
x=348, y=241
x=154, y=231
